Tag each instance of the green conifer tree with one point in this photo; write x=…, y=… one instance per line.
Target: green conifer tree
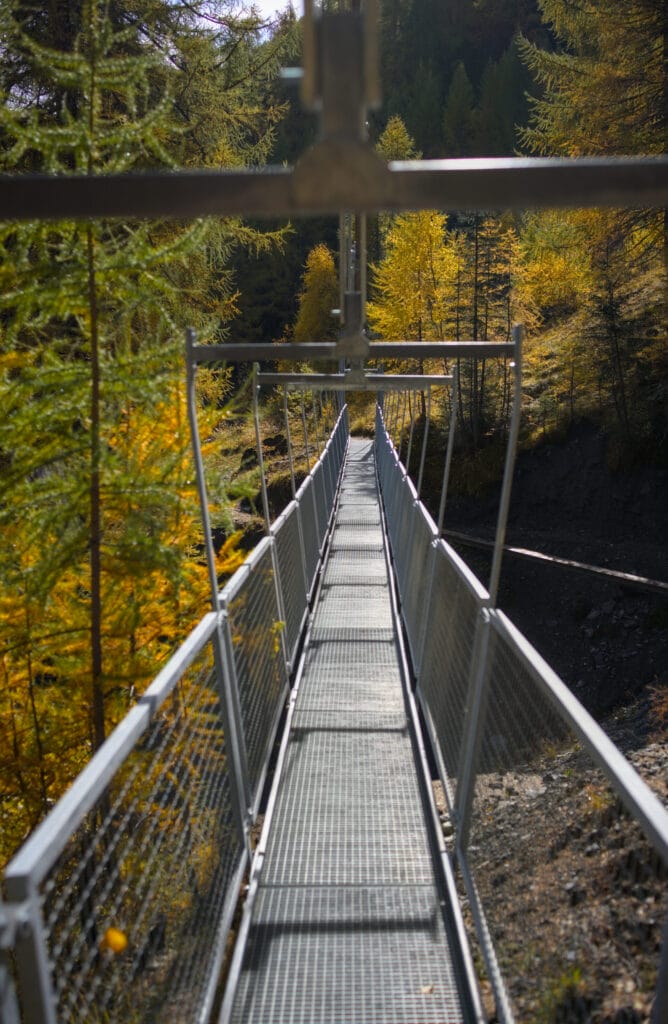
x=459, y=116
x=100, y=573
x=604, y=94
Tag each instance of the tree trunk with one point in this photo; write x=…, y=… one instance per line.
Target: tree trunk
x=97, y=690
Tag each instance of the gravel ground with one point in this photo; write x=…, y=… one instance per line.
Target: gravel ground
x=574, y=895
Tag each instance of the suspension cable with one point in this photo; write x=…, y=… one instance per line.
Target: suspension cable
x=425, y=435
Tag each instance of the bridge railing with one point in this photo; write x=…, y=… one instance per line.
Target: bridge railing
x=561, y=846
x=119, y=905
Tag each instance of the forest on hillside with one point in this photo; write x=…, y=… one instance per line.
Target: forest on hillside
x=101, y=571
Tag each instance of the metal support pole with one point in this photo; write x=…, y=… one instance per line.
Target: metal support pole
x=449, y=451
x=225, y=675
x=9, y=1007
x=511, y=451
x=425, y=436
x=199, y=470
x=33, y=968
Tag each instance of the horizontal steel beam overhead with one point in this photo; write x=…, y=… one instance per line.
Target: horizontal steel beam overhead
x=348, y=382
x=328, y=182
x=249, y=352
x=440, y=349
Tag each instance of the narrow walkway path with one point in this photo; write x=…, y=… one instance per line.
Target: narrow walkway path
x=347, y=925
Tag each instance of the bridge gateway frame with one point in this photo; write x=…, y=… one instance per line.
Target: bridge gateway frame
x=340, y=173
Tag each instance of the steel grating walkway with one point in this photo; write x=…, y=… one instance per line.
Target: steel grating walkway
x=347, y=924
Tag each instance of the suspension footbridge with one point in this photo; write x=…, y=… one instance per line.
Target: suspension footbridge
x=349, y=665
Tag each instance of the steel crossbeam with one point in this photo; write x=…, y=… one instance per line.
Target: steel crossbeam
x=354, y=179
x=353, y=382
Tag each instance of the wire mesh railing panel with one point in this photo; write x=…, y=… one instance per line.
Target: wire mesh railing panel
x=256, y=628
x=418, y=580
x=307, y=513
x=132, y=907
x=443, y=683
x=574, y=894
x=292, y=573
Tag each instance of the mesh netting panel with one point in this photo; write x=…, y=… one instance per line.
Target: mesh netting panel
x=291, y=571
x=575, y=896
x=261, y=674
x=450, y=630
x=150, y=867
x=310, y=530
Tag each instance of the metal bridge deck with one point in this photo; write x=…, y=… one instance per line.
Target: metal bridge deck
x=347, y=923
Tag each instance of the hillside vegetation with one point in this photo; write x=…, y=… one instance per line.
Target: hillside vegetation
x=101, y=568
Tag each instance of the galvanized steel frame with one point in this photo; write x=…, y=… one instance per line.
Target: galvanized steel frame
x=343, y=176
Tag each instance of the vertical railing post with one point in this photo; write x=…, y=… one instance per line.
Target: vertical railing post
x=199, y=470
x=225, y=679
x=476, y=712
x=38, y=999
x=9, y=1007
